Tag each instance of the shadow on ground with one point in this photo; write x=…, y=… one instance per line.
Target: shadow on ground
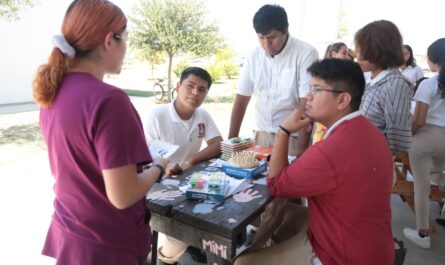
x=22, y=135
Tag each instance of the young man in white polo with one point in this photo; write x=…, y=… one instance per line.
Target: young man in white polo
x=184, y=123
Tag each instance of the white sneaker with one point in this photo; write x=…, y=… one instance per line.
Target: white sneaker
x=413, y=236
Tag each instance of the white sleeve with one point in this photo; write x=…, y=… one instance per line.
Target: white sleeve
x=304, y=76
x=211, y=129
x=245, y=84
x=419, y=73
x=151, y=127
x=425, y=93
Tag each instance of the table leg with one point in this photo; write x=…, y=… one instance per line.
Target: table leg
x=154, y=248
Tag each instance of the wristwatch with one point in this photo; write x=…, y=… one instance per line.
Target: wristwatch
x=161, y=168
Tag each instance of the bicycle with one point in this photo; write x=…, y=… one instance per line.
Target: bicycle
x=159, y=91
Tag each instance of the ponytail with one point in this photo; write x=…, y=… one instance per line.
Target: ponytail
x=441, y=80
x=47, y=80
x=85, y=25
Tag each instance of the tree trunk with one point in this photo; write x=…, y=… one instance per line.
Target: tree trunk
x=169, y=75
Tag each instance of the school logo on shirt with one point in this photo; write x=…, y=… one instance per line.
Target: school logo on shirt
x=201, y=130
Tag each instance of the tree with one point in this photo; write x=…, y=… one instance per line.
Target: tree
x=225, y=58
x=174, y=27
x=153, y=58
x=9, y=9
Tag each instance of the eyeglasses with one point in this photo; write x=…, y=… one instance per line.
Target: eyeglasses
x=315, y=89
x=121, y=36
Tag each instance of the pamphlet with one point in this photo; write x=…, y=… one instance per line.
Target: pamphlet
x=162, y=149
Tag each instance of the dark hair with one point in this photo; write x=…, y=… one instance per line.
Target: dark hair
x=416, y=86
x=334, y=47
x=197, y=71
x=380, y=43
x=270, y=17
x=436, y=55
x=411, y=60
x=342, y=75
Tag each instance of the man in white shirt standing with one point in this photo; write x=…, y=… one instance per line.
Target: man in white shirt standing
x=184, y=123
x=276, y=74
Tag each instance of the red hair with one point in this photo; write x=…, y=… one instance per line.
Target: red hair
x=85, y=26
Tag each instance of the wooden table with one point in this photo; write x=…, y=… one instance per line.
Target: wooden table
x=218, y=231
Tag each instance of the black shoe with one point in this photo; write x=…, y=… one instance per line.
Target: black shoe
x=400, y=253
x=440, y=221
x=197, y=255
x=160, y=262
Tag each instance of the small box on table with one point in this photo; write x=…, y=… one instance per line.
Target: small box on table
x=207, y=186
x=246, y=173
x=261, y=152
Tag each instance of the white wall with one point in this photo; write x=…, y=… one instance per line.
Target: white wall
x=26, y=44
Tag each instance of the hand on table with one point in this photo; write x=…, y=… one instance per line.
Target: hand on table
x=173, y=169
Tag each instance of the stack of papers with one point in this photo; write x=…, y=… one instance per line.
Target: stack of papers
x=235, y=145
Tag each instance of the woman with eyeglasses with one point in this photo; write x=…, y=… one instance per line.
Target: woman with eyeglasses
x=95, y=142
x=387, y=98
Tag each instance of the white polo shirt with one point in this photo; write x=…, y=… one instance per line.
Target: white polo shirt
x=429, y=93
x=163, y=123
x=277, y=82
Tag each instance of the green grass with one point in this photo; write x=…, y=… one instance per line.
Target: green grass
x=138, y=93
x=217, y=99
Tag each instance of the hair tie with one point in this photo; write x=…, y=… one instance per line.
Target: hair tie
x=60, y=42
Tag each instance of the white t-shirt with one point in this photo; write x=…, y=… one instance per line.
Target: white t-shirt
x=429, y=93
x=412, y=73
x=164, y=124
x=277, y=82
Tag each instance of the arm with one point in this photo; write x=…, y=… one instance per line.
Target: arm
x=419, y=116
x=304, y=136
x=396, y=101
x=294, y=122
x=238, y=111
x=124, y=186
x=212, y=150
x=152, y=129
x=303, y=89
